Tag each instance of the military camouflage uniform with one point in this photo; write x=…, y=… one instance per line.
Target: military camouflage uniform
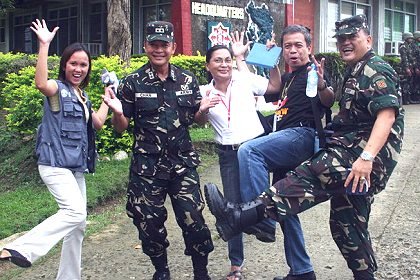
x=371, y=85
x=417, y=66
x=164, y=160
x=408, y=57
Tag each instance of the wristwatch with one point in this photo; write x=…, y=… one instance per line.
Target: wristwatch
x=366, y=156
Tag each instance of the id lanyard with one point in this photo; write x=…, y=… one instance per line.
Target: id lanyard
x=227, y=105
x=283, y=101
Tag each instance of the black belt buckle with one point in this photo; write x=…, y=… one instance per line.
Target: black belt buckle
x=233, y=147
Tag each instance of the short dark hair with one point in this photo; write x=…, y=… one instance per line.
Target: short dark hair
x=67, y=53
x=209, y=55
x=210, y=51
x=297, y=28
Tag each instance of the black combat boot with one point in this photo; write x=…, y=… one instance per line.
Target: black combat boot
x=161, y=275
x=306, y=276
x=231, y=218
x=161, y=265
x=200, y=267
x=262, y=232
x=363, y=274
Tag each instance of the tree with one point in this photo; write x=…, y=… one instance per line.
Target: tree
x=6, y=4
x=118, y=24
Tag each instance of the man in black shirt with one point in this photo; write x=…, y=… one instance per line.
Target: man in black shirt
x=290, y=143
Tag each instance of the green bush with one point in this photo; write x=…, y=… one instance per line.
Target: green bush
x=23, y=102
x=12, y=63
x=395, y=62
x=195, y=64
x=335, y=67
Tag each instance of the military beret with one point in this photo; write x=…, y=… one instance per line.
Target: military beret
x=407, y=35
x=350, y=25
x=416, y=34
x=159, y=31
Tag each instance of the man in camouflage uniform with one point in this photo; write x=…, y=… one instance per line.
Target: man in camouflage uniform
x=416, y=43
x=407, y=52
x=163, y=101
x=362, y=152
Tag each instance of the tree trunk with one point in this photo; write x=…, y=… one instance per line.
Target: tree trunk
x=118, y=24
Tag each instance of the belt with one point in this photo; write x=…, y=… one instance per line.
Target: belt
x=307, y=124
x=232, y=147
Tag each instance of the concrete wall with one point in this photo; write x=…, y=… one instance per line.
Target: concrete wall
x=199, y=22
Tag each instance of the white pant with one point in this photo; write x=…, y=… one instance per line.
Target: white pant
x=69, y=190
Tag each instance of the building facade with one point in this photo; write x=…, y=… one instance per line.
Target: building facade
x=202, y=23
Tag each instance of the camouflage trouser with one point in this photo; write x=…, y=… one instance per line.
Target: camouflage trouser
x=410, y=86
x=322, y=178
x=145, y=205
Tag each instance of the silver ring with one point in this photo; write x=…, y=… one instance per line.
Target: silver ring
x=362, y=178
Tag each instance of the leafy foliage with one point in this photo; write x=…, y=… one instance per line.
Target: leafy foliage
x=23, y=102
x=195, y=64
x=335, y=67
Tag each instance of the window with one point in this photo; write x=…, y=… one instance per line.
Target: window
x=152, y=10
x=24, y=39
x=66, y=19
x=2, y=30
x=97, y=19
x=341, y=9
x=400, y=17
x=97, y=37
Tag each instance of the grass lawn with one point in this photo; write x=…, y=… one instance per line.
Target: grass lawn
x=25, y=201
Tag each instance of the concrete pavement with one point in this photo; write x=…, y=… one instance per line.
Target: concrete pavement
x=394, y=227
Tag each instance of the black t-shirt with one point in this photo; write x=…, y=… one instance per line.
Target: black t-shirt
x=295, y=107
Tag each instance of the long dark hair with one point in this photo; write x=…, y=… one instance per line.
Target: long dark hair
x=67, y=53
x=209, y=55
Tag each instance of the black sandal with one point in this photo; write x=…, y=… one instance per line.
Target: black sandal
x=16, y=258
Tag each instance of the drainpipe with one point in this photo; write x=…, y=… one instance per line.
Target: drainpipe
x=289, y=12
x=181, y=19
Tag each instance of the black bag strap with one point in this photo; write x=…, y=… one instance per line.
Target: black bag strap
x=318, y=123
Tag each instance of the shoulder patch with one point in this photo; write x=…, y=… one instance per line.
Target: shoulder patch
x=381, y=84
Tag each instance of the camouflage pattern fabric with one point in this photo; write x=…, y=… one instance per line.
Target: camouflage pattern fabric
x=350, y=25
x=408, y=55
x=162, y=112
x=145, y=205
x=159, y=31
x=164, y=160
x=370, y=85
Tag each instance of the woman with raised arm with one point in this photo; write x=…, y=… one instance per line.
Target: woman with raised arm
x=229, y=104
x=66, y=150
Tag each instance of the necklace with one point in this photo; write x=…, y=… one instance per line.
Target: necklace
x=286, y=88
x=80, y=95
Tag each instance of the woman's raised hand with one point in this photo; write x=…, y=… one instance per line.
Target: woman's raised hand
x=41, y=30
x=238, y=46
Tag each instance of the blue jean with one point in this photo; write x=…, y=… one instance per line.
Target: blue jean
x=284, y=149
x=229, y=171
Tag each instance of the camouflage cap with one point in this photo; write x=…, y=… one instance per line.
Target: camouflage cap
x=407, y=35
x=416, y=34
x=159, y=31
x=350, y=25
